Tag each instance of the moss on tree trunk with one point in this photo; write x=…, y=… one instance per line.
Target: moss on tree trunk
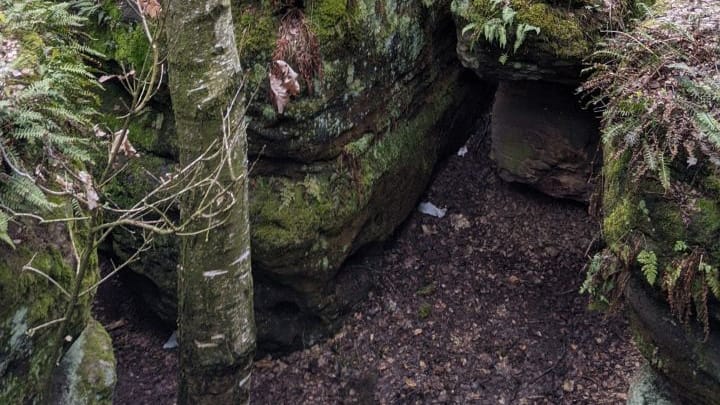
x=216, y=325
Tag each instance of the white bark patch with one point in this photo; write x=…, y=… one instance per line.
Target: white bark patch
x=244, y=380
x=219, y=336
x=199, y=88
x=205, y=345
x=214, y=273
x=242, y=258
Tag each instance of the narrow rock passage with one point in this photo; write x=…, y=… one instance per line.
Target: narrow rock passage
x=481, y=306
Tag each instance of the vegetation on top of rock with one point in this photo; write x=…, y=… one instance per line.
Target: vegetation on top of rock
x=497, y=29
x=659, y=88
x=565, y=29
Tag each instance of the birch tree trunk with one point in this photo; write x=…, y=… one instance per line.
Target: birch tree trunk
x=216, y=323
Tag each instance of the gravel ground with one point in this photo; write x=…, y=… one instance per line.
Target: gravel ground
x=480, y=307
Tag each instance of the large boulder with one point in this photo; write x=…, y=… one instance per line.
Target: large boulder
x=541, y=137
x=346, y=163
x=537, y=50
x=28, y=300
x=343, y=165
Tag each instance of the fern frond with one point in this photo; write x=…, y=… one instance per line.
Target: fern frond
x=648, y=260
x=21, y=193
x=29, y=132
x=709, y=126
x=663, y=171
x=4, y=237
x=713, y=281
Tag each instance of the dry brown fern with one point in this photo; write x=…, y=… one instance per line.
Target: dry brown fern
x=297, y=45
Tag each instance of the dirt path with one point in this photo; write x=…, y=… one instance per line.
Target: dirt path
x=478, y=307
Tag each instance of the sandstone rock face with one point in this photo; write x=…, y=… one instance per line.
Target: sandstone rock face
x=639, y=217
x=342, y=166
x=27, y=300
x=541, y=137
x=661, y=222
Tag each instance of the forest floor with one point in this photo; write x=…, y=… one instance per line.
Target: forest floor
x=480, y=307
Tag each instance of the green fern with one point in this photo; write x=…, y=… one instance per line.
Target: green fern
x=680, y=246
x=497, y=29
x=4, y=237
x=46, y=113
x=713, y=281
x=648, y=261
x=709, y=126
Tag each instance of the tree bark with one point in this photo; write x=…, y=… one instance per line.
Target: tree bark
x=216, y=322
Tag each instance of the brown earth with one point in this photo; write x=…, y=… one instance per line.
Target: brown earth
x=480, y=306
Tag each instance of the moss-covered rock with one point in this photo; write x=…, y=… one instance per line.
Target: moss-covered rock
x=27, y=300
x=638, y=216
x=346, y=162
x=660, y=198
x=566, y=34
x=86, y=374
x=674, y=231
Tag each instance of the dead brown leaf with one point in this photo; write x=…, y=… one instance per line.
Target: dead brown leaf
x=127, y=149
x=410, y=382
x=91, y=196
x=283, y=84
x=150, y=8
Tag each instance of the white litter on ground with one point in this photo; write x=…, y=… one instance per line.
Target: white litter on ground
x=431, y=209
x=172, y=342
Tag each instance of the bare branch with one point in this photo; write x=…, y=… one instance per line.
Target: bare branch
x=28, y=267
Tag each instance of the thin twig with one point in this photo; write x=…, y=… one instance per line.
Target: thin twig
x=28, y=267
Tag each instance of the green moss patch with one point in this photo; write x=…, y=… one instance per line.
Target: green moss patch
x=564, y=33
